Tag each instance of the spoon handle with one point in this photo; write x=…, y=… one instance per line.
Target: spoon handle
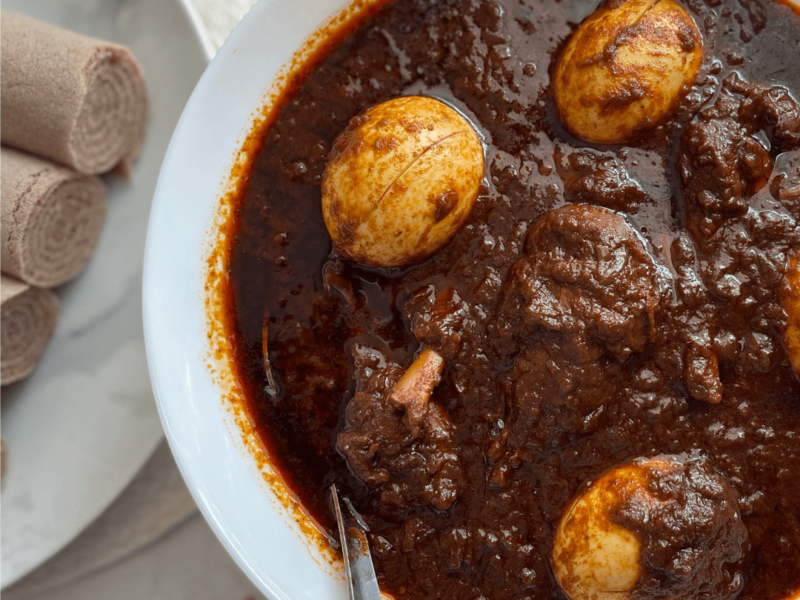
x=362, y=584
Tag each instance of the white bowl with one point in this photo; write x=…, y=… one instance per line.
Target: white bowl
x=264, y=537
x=252, y=522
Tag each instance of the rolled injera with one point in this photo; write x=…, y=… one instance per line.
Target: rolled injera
x=73, y=99
x=51, y=219
x=28, y=318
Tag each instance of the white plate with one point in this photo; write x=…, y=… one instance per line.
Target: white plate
x=84, y=423
x=223, y=477
x=241, y=508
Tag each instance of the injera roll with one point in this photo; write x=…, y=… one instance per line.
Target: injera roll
x=73, y=99
x=51, y=219
x=28, y=317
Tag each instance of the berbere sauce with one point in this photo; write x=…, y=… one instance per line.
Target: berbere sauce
x=678, y=352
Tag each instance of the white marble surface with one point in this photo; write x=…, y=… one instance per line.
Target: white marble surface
x=85, y=422
x=189, y=562
x=156, y=502
x=216, y=19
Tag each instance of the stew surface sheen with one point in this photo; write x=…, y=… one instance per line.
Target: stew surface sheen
x=533, y=402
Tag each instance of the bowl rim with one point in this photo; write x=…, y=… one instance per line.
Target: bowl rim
x=257, y=528
x=208, y=449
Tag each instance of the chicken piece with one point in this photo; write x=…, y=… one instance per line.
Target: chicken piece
x=588, y=276
x=413, y=392
x=723, y=160
x=398, y=442
x=772, y=108
x=552, y=397
x=438, y=319
x=598, y=179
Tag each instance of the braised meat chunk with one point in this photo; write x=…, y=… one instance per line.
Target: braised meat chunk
x=600, y=180
x=402, y=466
x=437, y=319
x=727, y=153
x=587, y=276
x=554, y=399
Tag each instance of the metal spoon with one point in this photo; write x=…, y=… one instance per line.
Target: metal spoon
x=359, y=572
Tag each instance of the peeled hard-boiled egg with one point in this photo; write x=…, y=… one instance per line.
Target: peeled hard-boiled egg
x=660, y=527
x=400, y=181
x=626, y=68
x=593, y=557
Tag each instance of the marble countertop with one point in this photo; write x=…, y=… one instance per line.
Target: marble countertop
x=217, y=18
x=188, y=562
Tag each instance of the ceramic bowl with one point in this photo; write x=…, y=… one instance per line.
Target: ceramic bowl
x=250, y=519
x=247, y=516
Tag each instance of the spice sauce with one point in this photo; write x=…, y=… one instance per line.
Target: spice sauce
x=340, y=334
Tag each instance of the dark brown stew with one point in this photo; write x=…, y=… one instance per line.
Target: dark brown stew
x=672, y=347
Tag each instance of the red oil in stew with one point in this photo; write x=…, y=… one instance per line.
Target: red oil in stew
x=526, y=423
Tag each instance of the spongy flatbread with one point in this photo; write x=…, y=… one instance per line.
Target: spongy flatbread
x=28, y=318
x=52, y=218
x=73, y=99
